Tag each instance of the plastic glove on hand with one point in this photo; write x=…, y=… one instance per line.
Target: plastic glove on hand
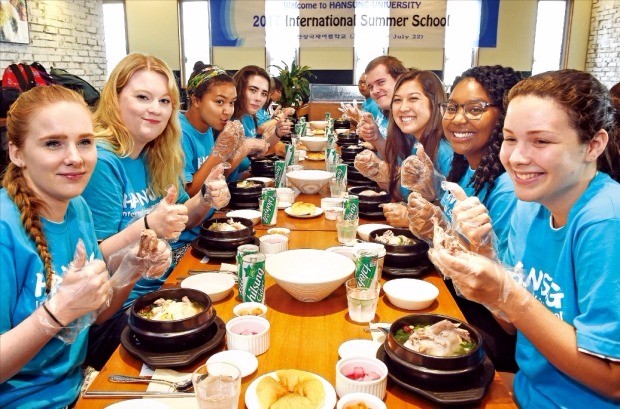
x=417, y=174
x=470, y=218
x=149, y=258
x=395, y=214
x=255, y=147
x=228, y=141
x=367, y=128
x=422, y=217
x=168, y=219
x=369, y=165
x=78, y=295
x=215, y=191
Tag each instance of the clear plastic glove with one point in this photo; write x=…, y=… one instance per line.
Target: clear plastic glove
x=369, y=165
x=283, y=127
x=423, y=216
x=417, y=174
x=367, y=128
x=255, y=147
x=168, y=219
x=395, y=214
x=484, y=281
x=228, y=141
x=77, y=297
x=351, y=111
x=215, y=191
x=471, y=220
x=149, y=258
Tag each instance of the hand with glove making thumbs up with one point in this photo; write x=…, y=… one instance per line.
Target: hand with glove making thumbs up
x=168, y=219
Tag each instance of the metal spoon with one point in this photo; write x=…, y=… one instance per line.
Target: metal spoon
x=178, y=386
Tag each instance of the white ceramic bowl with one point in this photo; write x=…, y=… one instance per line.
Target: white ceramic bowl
x=216, y=285
x=314, y=143
x=314, y=125
x=345, y=385
x=309, y=181
x=332, y=213
x=331, y=202
x=347, y=251
x=248, y=333
x=309, y=275
x=371, y=401
x=273, y=243
x=250, y=308
x=410, y=293
x=364, y=230
x=253, y=215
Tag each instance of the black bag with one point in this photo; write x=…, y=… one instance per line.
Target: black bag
x=8, y=95
x=62, y=77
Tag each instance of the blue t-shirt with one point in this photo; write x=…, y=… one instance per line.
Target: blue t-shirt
x=573, y=271
x=262, y=116
x=117, y=194
x=382, y=122
x=443, y=161
x=500, y=202
x=197, y=147
x=369, y=105
x=53, y=377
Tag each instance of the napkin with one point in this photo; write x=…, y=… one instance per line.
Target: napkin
x=225, y=267
x=378, y=335
x=174, y=376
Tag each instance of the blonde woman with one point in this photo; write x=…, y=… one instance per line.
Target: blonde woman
x=137, y=182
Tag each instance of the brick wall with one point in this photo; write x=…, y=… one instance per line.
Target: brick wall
x=65, y=34
x=602, y=59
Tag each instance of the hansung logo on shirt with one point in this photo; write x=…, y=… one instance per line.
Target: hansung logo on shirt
x=545, y=290
x=202, y=160
x=138, y=203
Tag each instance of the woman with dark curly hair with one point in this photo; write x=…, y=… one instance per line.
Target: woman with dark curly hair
x=473, y=119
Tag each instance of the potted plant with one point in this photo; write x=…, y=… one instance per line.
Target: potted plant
x=295, y=80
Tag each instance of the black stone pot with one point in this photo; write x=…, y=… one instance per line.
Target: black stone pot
x=244, y=197
x=349, y=152
x=402, y=256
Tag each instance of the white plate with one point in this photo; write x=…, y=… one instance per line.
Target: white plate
x=139, y=404
x=316, y=160
x=359, y=347
x=245, y=361
x=317, y=212
x=251, y=400
x=216, y=285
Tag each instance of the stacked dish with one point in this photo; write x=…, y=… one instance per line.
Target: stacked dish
x=371, y=199
x=408, y=252
x=244, y=194
x=221, y=236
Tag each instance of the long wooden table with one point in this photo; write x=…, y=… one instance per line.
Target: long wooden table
x=303, y=335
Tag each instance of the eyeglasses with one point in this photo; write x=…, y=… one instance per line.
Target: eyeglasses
x=471, y=110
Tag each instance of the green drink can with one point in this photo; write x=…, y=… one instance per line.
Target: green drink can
x=280, y=173
x=341, y=172
x=269, y=214
x=243, y=251
x=366, y=262
x=289, y=154
x=328, y=116
x=298, y=127
x=351, y=206
x=331, y=138
x=253, y=278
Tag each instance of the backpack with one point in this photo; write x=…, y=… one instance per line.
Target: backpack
x=18, y=78
x=62, y=77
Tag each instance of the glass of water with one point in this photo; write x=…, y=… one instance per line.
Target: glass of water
x=217, y=386
x=346, y=230
x=362, y=301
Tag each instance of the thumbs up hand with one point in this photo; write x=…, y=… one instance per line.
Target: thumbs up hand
x=168, y=219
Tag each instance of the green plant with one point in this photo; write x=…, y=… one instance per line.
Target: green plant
x=296, y=84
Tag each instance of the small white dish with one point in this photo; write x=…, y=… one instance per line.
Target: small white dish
x=331, y=202
x=245, y=361
x=332, y=213
x=358, y=347
x=250, y=308
x=410, y=293
x=216, y=285
x=348, y=366
x=248, y=333
x=252, y=402
x=279, y=230
x=273, y=243
x=317, y=212
x=371, y=401
x=364, y=230
x=253, y=215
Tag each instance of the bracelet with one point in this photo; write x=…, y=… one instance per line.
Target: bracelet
x=146, y=223
x=52, y=315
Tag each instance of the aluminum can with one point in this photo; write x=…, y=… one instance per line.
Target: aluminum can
x=366, y=262
x=280, y=173
x=269, y=212
x=289, y=154
x=351, y=206
x=253, y=278
x=341, y=172
x=242, y=251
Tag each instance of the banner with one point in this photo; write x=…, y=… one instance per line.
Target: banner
x=315, y=23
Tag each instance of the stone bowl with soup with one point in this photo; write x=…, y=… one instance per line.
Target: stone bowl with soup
x=434, y=349
x=171, y=317
x=244, y=194
x=225, y=233
x=402, y=248
x=371, y=199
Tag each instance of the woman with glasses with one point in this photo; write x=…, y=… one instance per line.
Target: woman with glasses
x=473, y=119
x=562, y=150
